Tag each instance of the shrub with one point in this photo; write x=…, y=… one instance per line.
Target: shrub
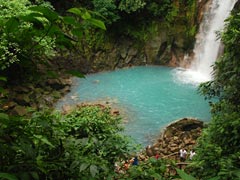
x=81, y=145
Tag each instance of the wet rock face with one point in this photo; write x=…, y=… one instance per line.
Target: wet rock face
x=167, y=46
x=201, y=5
x=181, y=134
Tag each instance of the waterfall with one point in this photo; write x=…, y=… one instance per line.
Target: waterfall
x=207, y=44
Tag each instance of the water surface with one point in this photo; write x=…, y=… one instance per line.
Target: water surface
x=150, y=97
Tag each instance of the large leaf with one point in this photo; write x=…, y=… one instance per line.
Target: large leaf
x=44, y=140
x=40, y=163
x=43, y=20
x=97, y=23
x=86, y=15
x=4, y=116
x=46, y=12
x=83, y=167
x=3, y=78
x=64, y=42
x=156, y=176
x=93, y=170
x=8, y=176
x=36, y=18
x=69, y=20
x=76, y=11
x=237, y=173
x=74, y=164
x=55, y=30
x=77, y=32
x=184, y=175
x=35, y=175
x=12, y=25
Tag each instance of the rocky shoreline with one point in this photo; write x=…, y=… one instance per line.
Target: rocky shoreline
x=181, y=134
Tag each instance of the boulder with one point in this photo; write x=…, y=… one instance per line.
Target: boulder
x=182, y=133
x=56, y=84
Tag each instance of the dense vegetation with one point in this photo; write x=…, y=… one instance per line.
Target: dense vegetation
x=32, y=34
x=218, y=150
x=86, y=143
x=81, y=145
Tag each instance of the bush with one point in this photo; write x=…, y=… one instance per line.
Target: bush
x=23, y=33
x=82, y=145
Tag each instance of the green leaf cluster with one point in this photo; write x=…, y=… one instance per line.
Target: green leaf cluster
x=32, y=34
x=24, y=29
x=131, y=5
x=81, y=145
x=218, y=151
x=107, y=9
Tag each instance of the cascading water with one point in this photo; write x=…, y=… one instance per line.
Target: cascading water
x=207, y=45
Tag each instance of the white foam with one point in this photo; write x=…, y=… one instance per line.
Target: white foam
x=188, y=76
x=206, y=49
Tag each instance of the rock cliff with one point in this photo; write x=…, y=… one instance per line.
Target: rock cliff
x=167, y=44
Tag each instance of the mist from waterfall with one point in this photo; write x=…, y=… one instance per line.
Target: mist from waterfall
x=207, y=44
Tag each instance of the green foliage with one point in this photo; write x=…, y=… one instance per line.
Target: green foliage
x=141, y=33
x=159, y=8
x=24, y=32
x=148, y=170
x=8, y=176
x=33, y=34
x=184, y=175
x=171, y=16
x=13, y=8
x=81, y=145
x=76, y=74
x=87, y=17
x=218, y=151
x=129, y=6
x=107, y=9
x=128, y=17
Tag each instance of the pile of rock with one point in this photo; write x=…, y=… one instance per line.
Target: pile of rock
x=181, y=134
